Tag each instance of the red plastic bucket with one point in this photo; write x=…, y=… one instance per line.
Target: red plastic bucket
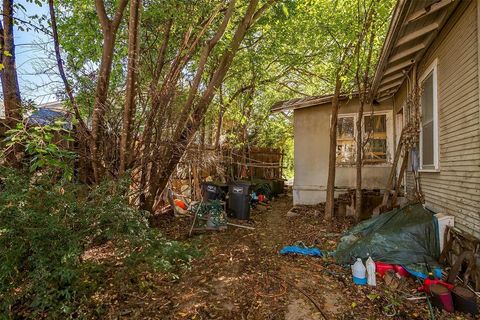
x=441, y=297
x=427, y=283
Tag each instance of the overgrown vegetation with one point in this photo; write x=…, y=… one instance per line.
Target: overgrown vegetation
x=143, y=82
x=47, y=227
x=46, y=146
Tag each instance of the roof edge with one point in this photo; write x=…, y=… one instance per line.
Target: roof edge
x=308, y=102
x=393, y=29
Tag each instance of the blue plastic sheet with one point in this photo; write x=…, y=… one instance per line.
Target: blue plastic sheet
x=437, y=273
x=302, y=251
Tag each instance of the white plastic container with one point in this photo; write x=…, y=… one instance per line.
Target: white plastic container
x=444, y=220
x=359, y=272
x=371, y=277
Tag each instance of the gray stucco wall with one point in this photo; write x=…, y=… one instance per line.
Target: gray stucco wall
x=311, y=134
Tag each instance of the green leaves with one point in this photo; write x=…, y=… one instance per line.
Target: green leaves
x=46, y=146
x=296, y=49
x=45, y=232
x=285, y=10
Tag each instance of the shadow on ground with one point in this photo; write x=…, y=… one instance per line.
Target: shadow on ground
x=242, y=276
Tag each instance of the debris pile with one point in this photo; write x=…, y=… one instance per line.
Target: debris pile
x=209, y=215
x=242, y=275
x=404, y=243
x=405, y=236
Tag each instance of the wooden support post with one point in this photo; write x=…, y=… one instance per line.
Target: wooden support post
x=196, y=192
x=391, y=177
x=400, y=177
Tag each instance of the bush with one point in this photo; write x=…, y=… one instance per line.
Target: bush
x=46, y=227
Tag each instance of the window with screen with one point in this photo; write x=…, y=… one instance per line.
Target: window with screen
x=375, y=134
x=428, y=129
x=346, y=140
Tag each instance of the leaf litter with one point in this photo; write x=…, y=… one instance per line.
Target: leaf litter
x=241, y=276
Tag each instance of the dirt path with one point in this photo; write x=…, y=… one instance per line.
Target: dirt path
x=242, y=276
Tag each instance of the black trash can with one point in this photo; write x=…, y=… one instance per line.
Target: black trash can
x=214, y=191
x=239, y=199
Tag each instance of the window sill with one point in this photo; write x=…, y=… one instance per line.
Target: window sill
x=376, y=165
x=429, y=170
x=365, y=165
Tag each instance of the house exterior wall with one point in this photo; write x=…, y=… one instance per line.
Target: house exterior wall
x=455, y=187
x=311, y=136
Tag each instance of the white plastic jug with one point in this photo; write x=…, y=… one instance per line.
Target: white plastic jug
x=359, y=272
x=371, y=277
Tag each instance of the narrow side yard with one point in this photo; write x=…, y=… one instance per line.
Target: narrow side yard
x=242, y=276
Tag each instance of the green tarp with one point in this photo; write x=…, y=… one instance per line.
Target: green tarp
x=405, y=236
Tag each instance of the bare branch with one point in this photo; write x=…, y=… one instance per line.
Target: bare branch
x=61, y=70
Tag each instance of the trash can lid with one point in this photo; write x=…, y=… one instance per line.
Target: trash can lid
x=240, y=183
x=214, y=183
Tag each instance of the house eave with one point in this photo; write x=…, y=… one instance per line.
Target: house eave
x=412, y=30
x=307, y=102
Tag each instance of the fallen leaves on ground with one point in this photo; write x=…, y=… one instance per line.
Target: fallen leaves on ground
x=242, y=276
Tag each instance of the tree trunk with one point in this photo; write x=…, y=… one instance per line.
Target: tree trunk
x=218, y=132
x=359, y=161
x=185, y=132
x=332, y=156
x=161, y=98
x=129, y=110
x=145, y=141
x=81, y=132
x=109, y=29
x=207, y=49
x=364, y=86
x=11, y=91
x=12, y=101
x=99, y=110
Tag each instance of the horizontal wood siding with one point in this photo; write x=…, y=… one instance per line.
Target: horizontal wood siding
x=456, y=188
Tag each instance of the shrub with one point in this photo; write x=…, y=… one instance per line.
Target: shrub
x=45, y=146
x=45, y=228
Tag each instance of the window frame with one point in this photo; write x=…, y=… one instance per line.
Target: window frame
x=347, y=115
x=390, y=138
x=433, y=70
x=388, y=135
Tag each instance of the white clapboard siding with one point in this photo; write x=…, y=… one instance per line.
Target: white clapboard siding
x=455, y=189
